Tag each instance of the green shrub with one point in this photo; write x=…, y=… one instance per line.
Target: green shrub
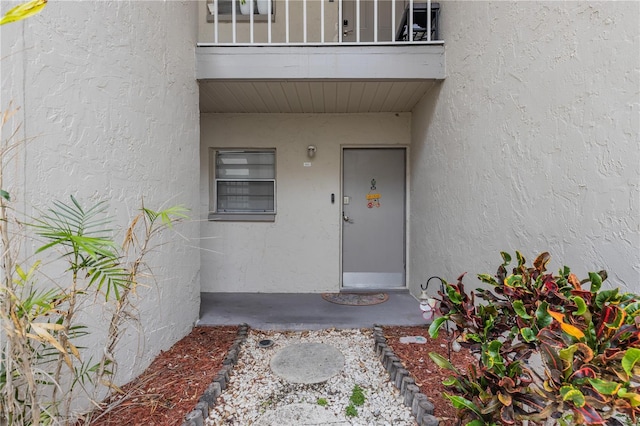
x=322, y=402
x=588, y=340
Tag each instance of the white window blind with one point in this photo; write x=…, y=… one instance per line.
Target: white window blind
x=245, y=181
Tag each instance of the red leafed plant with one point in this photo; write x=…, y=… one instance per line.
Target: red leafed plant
x=587, y=341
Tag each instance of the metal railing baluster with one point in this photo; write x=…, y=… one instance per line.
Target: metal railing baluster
x=375, y=21
x=251, y=5
x=428, y=20
x=233, y=20
x=321, y=21
x=340, y=21
x=216, y=28
x=287, y=20
x=269, y=9
x=410, y=24
x=393, y=21
x=304, y=21
x=357, y=21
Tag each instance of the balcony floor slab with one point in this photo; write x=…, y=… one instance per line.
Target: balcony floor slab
x=336, y=62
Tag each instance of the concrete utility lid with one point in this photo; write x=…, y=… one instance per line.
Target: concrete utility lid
x=299, y=415
x=307, y=363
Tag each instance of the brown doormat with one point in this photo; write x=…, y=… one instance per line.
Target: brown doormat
x=355, y=299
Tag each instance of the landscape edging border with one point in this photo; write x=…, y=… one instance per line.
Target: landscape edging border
x=421, y=407
x=207, y=401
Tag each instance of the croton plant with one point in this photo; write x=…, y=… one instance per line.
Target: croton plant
x=551, y=347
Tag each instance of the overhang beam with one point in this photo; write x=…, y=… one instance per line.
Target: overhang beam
x=326, y=63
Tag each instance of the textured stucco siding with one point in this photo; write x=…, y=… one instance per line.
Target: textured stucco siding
x=109, y=107
x=531, y=143
x=300, y=251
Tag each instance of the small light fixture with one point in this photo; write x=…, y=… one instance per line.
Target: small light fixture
x=427, y=306
x=311, y=151
x=428, y=303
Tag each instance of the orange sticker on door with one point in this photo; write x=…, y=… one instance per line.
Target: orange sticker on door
x=373, y=198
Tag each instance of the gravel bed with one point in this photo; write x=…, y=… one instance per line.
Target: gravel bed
x=254, y=389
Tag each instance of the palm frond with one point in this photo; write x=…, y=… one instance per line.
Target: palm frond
x=167, y=216
x=76, y=230
x=108, y=276
x=73, y=216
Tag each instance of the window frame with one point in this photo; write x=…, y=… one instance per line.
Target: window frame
x=239, y=216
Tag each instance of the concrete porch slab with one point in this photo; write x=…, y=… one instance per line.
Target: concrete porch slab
x=304, y=311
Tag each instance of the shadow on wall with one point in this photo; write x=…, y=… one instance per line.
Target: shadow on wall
x=421, y=120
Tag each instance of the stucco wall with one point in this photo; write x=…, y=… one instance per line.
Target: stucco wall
x=109, y=106
x=300, y=251
x=531, y=143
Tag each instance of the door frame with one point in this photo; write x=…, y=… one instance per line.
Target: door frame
x=407, y=225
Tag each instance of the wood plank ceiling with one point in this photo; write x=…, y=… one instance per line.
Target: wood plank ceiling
x=305, y=96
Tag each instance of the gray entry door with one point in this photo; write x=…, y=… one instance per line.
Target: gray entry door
x=373, y=225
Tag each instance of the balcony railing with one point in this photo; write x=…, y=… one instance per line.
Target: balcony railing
x=320, y=22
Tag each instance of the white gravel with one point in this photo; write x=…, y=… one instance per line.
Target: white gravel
x=255, y=390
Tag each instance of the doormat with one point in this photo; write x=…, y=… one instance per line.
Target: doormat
x=355, y=299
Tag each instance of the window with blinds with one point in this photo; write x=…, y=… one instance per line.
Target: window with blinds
x=244, y=183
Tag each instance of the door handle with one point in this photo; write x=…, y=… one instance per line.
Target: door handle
x=346, y=32
x=346, y=218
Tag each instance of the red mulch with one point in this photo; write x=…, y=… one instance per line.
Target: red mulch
x=173, y=383
x=176, y=379
x=427, y=374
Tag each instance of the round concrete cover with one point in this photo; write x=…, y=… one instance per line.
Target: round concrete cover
x=298, y=415
x=307, y=363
